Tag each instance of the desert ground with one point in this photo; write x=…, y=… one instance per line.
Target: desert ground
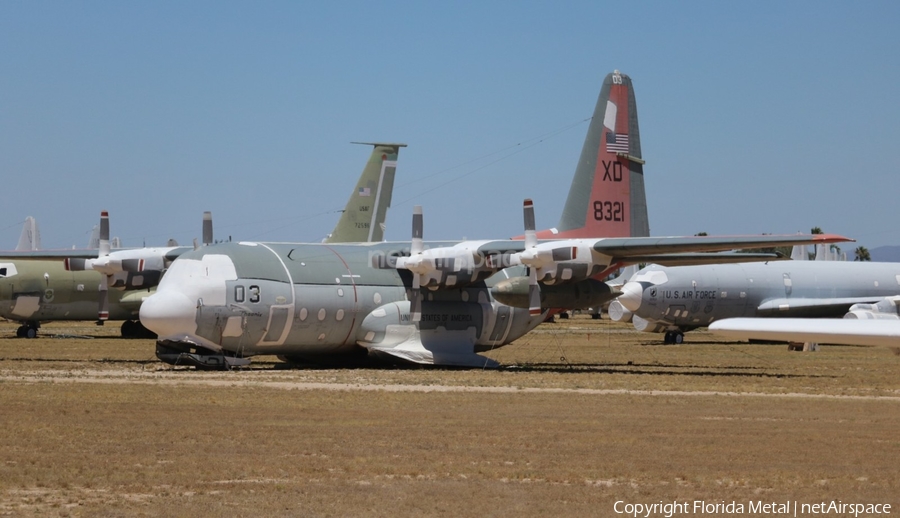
x=584, y=413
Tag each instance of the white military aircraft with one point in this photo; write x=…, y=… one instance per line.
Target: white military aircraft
x=673, y=300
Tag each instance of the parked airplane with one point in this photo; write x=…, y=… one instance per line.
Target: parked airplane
x=676, y=300
x=69, y=285
x=219, y=305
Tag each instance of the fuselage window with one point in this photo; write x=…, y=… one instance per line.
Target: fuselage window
x=254, y=294
x=239, y=294
x=2, y=272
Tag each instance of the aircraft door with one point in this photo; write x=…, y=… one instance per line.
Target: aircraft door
x=501, y=323
x=277, y=327
x=676, y=313
x=210, y=323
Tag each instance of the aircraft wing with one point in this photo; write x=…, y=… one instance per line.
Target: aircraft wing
x=80, y=253
x=825, y=330
x=704, y=258
x=810, y=307
x=635, y=247
x=170, y=253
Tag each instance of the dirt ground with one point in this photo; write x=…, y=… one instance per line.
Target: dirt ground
x=583, y=414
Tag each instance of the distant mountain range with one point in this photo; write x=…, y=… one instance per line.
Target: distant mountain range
x=885, y=254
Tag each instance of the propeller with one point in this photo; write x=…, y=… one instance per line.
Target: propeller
x=534, y=293
x=107, y=267
x=417, y=263
x=207, y=230
x=541, y=259
x=109, y=263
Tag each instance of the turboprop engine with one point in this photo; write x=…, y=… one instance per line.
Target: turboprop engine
x=576, y=295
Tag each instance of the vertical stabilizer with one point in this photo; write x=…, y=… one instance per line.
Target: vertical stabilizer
x=363, y=217
x=607, y=197
x=30, y=240
x=94, y=240
x=799, y=253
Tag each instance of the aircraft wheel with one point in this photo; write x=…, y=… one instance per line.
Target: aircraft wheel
x=596, y=316
x=677, y=337
x=127, y=329
x=20, y=332
x=668, y=338
x=30, y=332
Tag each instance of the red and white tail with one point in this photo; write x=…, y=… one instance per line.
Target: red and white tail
x=607, y=197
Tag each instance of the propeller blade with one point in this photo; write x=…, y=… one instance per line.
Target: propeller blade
x=415, y=309
x=75, y=264
x=103, y=312
x=530, y=236
x=207, y=228
x=417, y=245
x=104, y=234
x=534, y=293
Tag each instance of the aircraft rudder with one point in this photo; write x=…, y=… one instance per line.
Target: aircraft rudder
x=607, y=196
x=363, y=217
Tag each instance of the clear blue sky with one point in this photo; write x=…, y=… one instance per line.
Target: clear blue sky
x=755, y=116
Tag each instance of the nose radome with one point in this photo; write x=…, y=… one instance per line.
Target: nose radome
x=632, y=293
x=168, y=313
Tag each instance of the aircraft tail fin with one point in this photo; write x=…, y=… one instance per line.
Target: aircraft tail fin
x=30, y=240
x=363, y=217
x=607, y=197
x=94, y=240
x=624, y=275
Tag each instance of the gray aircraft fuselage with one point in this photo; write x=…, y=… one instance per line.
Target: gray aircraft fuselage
x=302, y=301
x=682, y=298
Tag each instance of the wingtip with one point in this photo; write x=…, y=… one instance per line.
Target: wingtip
x=833, y=238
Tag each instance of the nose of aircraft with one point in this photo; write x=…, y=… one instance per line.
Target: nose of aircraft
x=632, y=294
x=169, y=313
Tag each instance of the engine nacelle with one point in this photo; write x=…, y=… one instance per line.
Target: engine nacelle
x=576, y=295
x=885, y=309
x=618, y=312
x=443, y=267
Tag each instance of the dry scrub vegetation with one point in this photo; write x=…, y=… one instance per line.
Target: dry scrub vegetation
x=96, y=426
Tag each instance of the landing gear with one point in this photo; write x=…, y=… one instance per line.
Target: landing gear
x=27, y=330
x=134, y=329
x=674, y=337
x=175, y=353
